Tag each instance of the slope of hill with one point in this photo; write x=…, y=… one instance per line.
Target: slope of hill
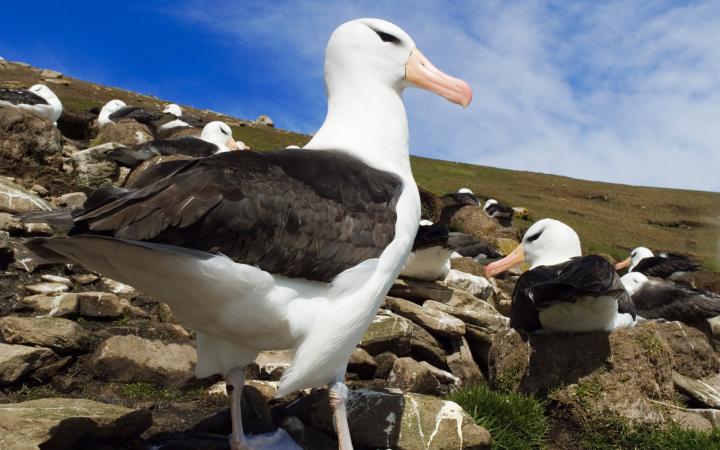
x=610, y=218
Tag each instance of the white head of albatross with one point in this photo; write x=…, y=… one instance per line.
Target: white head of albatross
x=55, y=106
x=465, y=191
x=545, y=243
x=220, y=134
x=173, y=109
x=368, y=65
x=633, y=281
x=635, y=257
x=109, y=108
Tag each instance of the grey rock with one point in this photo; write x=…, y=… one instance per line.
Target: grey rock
x=16, y=361
x=127, y=133
x=47, y=288
x=272, y=364
x=56, y=279
x=264, y=119
x=411, y=376
x=462, y=365
x=703, y=390
x=435, y=321
x=61, y=335
x=380, y=419
x=71, y=200
x=425, y=347
x=131, y=358
x=53, y=305
x=385, y=362
x=119, y=289
x=362, y=364
x=15, y=199
x=94, y=168
x=106, y=305
x=49, y=73
x=65, y=424
x=388, y=332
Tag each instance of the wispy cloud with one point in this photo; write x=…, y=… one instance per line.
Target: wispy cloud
x=617, y=91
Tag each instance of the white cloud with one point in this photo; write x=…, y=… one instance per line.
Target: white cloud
x=616, y=91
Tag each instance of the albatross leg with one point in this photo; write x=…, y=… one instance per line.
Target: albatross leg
x=235, y=380
x=338, y=396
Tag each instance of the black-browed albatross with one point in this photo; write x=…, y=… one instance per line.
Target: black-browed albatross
x=39, y=99
x=563, y=291
x=291, y=249
x=665, y=265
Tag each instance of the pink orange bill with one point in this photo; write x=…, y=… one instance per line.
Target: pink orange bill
x=514, y=259
x=420, y=72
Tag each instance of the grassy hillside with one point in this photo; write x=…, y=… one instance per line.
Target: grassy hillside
x=610, y=218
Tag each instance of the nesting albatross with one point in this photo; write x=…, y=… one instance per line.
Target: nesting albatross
x=39, y=99
x=290, y=249
x=563, y=291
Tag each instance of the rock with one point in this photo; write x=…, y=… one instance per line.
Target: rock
x=56, y=279
x=362, y=364
x=475, y=285
x=48, y=73
x=165, y=314
x=94, y=168
x=106, y=305
x=308, y=437
x=702, y=279
x=472, y=220
x=47, y=288
x=37, y=229
x=78, y=125
x=430, y=204
x=119, y=289
x=10, y=223
x=63, y=423
x=467, y=265
x=130, y=358
x=411, y=376
x=126, y=133
x=16, y=200
x=419, y=291
x=61, y=335
x=385, y=361
x=27, y=260
x=426, y=348
x=39, y=190
x=703, y=420
x=448, y=381
x=435, y=321
x=25, y=136
x=6, y=251
x=506, y=245
x=54, y=305
x=16, y=361
x=380, y=419
x=71, y=200
x=703, y=390
x=462, y=365
x=272, y=364
x=626, y=373
x=265, y=120
x=713, y=324
x=48, y=371
x=84, y=278
x=388, y=332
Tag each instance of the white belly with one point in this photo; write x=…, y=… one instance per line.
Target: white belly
x=586, y=314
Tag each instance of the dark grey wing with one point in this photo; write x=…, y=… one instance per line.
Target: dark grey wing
x=135, y=113
x=663, y=300
x=435, y=235
x=498, y=210
x=470, y=246
x=186, y=146
x=658, y=266
x=21, y=97
x=299, y=213
x=590, y=275
x=193, y=121
x=524, y=314
x=457, y=199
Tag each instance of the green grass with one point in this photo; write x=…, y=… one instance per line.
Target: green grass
x=515, y=421
x=616, y=434
x=267, y=138
x=146, y=391
x=651, y=344
x=78, y=103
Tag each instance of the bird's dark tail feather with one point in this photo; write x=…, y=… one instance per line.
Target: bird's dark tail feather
x=58, y=217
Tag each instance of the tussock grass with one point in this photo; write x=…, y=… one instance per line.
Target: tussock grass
x=616, y=434
x=515, y=421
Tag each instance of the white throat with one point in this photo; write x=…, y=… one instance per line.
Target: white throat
x=367, y=120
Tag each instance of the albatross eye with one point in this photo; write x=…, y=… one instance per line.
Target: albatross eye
x=387, y=37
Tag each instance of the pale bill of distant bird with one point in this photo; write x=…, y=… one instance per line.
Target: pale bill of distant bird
x=247, y=248
x=39, y=99
x=665, y=265
x=666, y=300
x=216, y=137
x=563, y=291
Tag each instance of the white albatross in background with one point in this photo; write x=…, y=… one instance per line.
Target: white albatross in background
x=39, y=99
x=563, y=291
x=291, y=249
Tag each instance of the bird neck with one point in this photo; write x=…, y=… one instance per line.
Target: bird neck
x=369, y=122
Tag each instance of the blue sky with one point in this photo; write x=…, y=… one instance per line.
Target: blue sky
x=616, y=91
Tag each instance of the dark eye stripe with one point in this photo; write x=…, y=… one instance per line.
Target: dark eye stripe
x=387, y=37
x=534, y=237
